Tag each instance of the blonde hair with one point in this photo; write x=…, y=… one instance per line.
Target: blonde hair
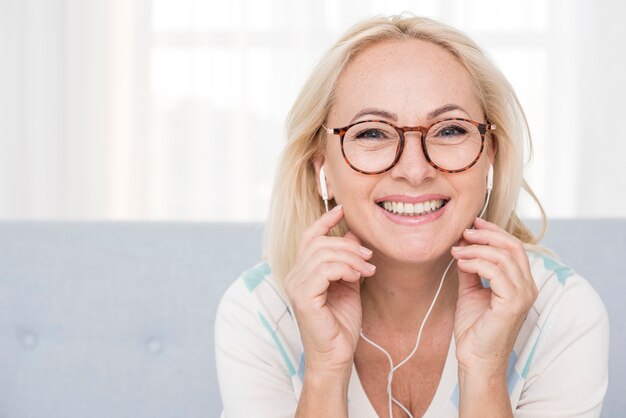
x=295, y=202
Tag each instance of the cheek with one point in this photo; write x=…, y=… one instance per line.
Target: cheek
x=354, y=192
x=472, y=196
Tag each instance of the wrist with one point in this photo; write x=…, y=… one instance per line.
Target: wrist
x=483, y=393
x=481, y=378
x=324, y=378
x=324, y=393
x=489, y=371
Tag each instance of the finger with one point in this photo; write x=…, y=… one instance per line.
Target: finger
x=330, y=272
x=337, y=244
x=500, y=239
x=468, y=282
x=498, y=256
x=503, y=289
x=366, y=252
x=462, y=242
x=321, y=226
x=352, y=237
x=329, y=255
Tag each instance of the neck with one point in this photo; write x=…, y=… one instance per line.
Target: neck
x=398, y=297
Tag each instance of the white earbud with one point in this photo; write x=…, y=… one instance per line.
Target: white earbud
x=324, y=187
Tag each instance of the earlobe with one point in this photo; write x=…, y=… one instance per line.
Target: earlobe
x=492, y=148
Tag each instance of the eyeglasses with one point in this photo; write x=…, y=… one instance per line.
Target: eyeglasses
x=375, y=146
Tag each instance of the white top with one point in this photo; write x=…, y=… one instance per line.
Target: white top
x=558, y=367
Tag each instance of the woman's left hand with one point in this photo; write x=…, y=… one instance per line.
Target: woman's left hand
x=488, y=320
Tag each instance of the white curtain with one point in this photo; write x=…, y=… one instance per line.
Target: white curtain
x=174, y=109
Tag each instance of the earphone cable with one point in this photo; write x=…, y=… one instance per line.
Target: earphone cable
x=419, y=335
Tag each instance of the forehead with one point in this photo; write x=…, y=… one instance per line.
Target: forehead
x=406, y=77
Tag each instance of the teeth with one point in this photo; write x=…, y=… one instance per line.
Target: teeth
x=410, y=209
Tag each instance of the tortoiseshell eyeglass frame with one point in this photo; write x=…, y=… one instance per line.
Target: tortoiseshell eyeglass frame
x=482, y=129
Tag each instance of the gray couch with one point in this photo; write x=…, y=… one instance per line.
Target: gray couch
x=115, y=319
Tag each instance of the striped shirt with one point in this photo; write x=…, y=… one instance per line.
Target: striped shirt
x=558, y=367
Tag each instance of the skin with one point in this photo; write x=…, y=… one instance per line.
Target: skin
x=409, y=79
x=392, y=76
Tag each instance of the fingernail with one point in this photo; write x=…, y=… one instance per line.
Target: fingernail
x=365, y=251
x=457, y=249
x=470, y=231
x=336, y=208
x=371, y=267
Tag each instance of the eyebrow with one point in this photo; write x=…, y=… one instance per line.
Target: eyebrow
x=444, y=109
x=388, y=115
x=377, y=112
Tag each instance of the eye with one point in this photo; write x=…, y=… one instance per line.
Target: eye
x=372, y=134
x=451, y=130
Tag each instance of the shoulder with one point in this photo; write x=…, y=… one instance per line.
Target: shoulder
x=255, y=311
x=255, y=290
x=561, y=287
x=257, y=349
x=567, y=320
x=560, y=359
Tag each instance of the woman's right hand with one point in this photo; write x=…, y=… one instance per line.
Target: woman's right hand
x=323, y=288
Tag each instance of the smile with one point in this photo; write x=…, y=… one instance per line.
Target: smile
x=412, y=209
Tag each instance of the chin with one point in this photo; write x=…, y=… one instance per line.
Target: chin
x=418, y=254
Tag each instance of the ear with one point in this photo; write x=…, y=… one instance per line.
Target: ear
x=318, y=162
x=492, y=148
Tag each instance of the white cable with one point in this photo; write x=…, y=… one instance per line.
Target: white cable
x=419, y=335
x=482, y=212
x=489, y=187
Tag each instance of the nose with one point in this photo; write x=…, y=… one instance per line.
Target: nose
x=413, y=165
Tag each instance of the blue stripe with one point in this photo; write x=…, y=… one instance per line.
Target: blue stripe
x=562, y=272
x=512, y=376
x=530, y=358
x=254, y=276
x=279, y=344
x=301, y=367
x=454, y=398
x=534, y=349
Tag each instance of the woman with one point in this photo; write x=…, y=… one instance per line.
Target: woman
x=376, y=307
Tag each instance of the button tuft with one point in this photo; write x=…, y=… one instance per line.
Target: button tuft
x=29, y=340
x=155, y=345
